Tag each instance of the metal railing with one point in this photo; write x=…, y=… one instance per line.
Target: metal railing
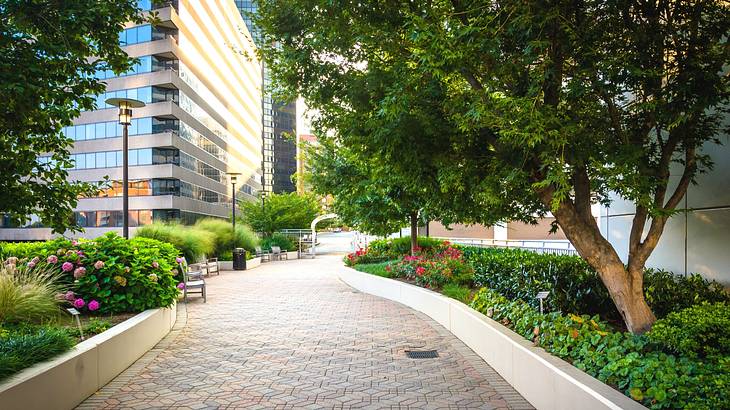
x=556, y=247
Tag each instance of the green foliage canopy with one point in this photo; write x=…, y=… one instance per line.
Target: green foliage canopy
x=49, y=53
x=540, y=106
x=280, y=211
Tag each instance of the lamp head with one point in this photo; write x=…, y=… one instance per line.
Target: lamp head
x=233, y=176
x=125, y=108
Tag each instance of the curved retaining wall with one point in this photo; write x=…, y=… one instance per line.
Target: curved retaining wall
x=65, y=381
x=546, y=381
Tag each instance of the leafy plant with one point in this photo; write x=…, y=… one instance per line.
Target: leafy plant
x=280, y=240
x=698, y=331
x=575, y=287
x=379, y=269
x=224, y=239
x=280, y=211
x=623, y=360
x=111, y=274
x=461, y=293
x=192, y=242
x=28, y=293
x=21, y=349
x=397, y=247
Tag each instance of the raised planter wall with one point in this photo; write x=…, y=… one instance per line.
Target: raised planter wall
x=67, y=380
x=546, y=381
x=250, y=264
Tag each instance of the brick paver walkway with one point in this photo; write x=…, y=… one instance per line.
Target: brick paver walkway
x=291, y=335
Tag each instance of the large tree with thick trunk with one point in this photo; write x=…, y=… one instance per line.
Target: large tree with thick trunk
x=554, y=106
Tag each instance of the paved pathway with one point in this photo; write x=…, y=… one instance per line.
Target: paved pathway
x=291, y=335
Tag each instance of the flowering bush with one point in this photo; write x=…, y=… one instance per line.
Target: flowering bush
x=364, y=256
x=109, y=274
x=435, y=268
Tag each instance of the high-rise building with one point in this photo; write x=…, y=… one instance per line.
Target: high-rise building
x=202, y=119
x=279, y=147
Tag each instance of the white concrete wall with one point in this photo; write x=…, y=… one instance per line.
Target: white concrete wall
x=64, y=382
x=695, y=242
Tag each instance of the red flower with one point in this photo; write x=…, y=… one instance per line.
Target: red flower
x=420, y=270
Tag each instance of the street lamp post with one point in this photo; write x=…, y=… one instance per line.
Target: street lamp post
x=125, y=118
x=234, y=178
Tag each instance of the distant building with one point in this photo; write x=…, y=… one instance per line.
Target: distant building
x=279, y=135
x=202, y=119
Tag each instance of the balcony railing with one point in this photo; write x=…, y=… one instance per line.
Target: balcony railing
x=556, y=246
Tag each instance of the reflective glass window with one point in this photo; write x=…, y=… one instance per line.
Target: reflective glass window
x=144, y=156
x=91, y=160
x=132, y=157
x=144, y=33
x=111, y=159
x=144, y=126
x=100, y=130
x=111, y=130
x=101, y=160
x=80, y=161
x=120, y=159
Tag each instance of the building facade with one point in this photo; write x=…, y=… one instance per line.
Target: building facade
x=202, y=119
x=279, y=148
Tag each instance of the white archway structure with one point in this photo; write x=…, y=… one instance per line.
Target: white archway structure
x=313, y=225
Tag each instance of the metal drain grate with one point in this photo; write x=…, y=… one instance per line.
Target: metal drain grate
x=422, y=354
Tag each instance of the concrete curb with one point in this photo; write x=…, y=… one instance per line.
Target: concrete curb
x=546, y=381
x=64, y=382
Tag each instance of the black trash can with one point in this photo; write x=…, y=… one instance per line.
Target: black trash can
x=239, y=259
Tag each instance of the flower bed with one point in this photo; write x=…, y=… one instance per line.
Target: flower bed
x=682, y=362
x=104, y=276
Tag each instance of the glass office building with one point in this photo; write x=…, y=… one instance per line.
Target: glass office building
x=279, y=147
x=202, y=119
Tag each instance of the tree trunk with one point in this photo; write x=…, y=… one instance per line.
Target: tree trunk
x=627, y=291
x=625, y=286
x=414, y=233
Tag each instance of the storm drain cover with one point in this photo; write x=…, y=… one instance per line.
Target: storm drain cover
x=422, y=354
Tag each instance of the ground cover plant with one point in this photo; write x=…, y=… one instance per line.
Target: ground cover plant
x=637, y=365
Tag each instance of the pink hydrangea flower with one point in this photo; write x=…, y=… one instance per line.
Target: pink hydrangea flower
x=31, y=264
x=52, y=259
x=35, y=260
x=93, y=305
x=74, y=242
x=70, y=296
x=152, y=277
x=79, y=303
x=181, y=286
x=67, y=266
x=79, y=272
x=179, y=260
x=99, y=264
x=155, y=265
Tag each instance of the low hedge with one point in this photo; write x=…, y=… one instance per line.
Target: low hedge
x=575, y=287
x=109, y=274
x=631, y=363
x=395, y=247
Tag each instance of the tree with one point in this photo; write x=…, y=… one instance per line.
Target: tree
x=280, y=211
x=558, y=105
x=49, y=53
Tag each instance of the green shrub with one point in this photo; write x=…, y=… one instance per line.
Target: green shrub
x=193, y=243
x=460, y=293
x=223, y=239
x=28, y=294
x=666, y=292
x=623, y=360
x=395, y=247
x=575, y=287
x=698, y=331
x=280, y=240
x=19, y=350
x=378, y=269
x=119, y=275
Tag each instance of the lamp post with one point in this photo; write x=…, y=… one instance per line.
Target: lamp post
x=125, y=118
x=234, y=178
